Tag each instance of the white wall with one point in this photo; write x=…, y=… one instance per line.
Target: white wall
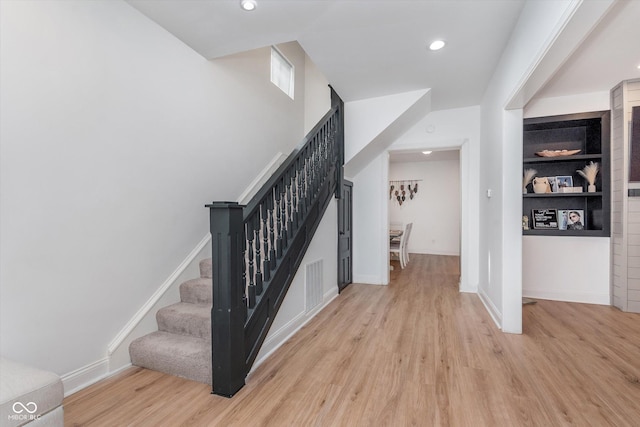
x=114, y=135
x=370, y=217
x=566, y=268
x=449, y=129
x=434, y=209
x=566, y=276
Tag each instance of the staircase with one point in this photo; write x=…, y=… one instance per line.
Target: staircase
x=218, y=328
x=182, y=344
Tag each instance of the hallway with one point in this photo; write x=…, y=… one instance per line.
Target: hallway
x=416, y=352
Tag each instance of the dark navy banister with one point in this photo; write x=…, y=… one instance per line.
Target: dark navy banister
x=296, y=154
x=257, y=248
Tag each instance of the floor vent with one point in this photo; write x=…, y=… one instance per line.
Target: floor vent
x=313, y=287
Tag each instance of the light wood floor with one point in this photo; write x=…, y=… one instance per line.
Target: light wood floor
x=414, y=353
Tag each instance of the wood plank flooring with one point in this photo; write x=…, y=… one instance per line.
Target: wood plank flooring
x=414, y=353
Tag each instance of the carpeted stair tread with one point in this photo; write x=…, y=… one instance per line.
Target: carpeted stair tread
x=180, y=355
x=197, y=291
x=186, y=319
x=206, y=268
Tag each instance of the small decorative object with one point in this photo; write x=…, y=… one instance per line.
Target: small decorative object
x=402, y=191
x=526, y=179
x=525, y=222
x=541, y=185
x=557, y=153
x=589, y=173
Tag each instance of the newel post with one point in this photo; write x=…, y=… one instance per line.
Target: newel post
x=229, y=309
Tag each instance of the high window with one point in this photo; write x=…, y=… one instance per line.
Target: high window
x=282, y=73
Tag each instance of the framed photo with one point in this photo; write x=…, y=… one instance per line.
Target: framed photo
x=553, y=183
x=546, y=219
x=570, y=219
x=564, y=182
x=575, y=219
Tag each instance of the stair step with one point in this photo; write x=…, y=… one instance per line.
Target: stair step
x=197, y=291
x=179, y=355
x=206, y=268
x=186, y=319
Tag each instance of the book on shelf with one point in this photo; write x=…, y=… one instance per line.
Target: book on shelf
x=545, y=219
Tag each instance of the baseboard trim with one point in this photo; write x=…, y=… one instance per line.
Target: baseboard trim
x=491, y=308
x=580, y=297
x=282, y=335
x=83, y=377
x=367, y=279
x=151, y=302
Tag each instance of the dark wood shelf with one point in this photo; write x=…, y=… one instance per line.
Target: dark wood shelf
x=588, y=132
x=578, y=233
x=560, y=195
x=574, y=158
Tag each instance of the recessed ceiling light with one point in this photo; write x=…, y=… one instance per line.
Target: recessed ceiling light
x=427, y=152
x=248, y=5
x=436, y=45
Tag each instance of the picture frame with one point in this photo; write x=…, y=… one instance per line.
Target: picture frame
x=553, y=183
x=545, y=219
x=564, y=181
x=571, y=219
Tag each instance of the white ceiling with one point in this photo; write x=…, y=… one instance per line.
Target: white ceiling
x=418, y=156
x=369, y=48
x=609, y=55
x=365, y=48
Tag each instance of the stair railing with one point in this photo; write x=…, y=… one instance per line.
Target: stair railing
x=258, y=248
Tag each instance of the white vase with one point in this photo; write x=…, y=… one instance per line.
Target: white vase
x=591, y=188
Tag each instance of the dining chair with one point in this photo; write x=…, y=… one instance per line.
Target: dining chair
x=407, y=233
x=399, y=247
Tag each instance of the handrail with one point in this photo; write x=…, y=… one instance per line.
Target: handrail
x=257, y=248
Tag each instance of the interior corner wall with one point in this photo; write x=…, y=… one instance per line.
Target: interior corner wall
x=500, y=284
x=113, y=136
x=435, y=208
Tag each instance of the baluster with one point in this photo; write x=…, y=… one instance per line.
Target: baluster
x=283, y=214
x=264, y=211
x=272, y=236
x=251, y=289
x=245, y=289
x=287, y=206
x=295, y=217
x=305, y=170
x=257, y=226
x=300, y=202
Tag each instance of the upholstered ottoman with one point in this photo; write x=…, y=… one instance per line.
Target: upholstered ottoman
x=29, y=396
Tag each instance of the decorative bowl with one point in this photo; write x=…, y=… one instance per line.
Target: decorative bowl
x=557, y=153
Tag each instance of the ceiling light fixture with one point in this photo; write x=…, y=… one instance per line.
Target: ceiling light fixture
x=427, y=152
x=248, y=5
x=437, y=45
